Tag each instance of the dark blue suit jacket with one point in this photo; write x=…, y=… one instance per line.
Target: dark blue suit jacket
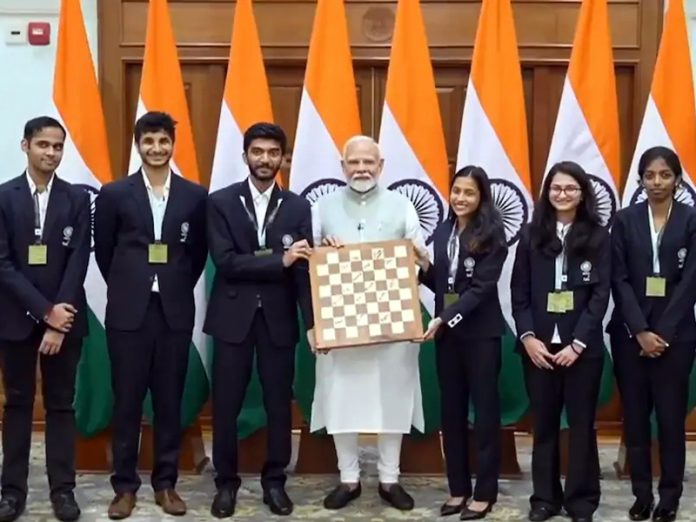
x=27, y=293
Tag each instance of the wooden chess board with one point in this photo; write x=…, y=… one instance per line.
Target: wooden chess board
x=365, y=294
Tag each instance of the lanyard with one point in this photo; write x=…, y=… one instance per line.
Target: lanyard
x=38, y=229
x=268, y=222
x=453, y=256
x=656, y=238
x=562, y=281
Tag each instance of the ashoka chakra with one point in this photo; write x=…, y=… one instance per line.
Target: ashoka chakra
x=606, y=201
x=685, y=194
x=427, y=202
x=320, y=188
x=512, y=206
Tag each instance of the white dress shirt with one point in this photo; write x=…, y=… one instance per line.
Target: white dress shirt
x=261, y=201
x=158, y=205
x=43, y=198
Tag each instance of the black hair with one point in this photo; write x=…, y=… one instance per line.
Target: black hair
x=583, y=238
x=486, y=227
x=665, y=153
x=155, y=122
x=268, y=131
x=36, y=125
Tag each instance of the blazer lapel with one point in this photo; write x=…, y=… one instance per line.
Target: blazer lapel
x=670, y=236
x=170, y=234
x=274, y=203
x=57, y=203
x=142, y=202
x=24, y=206
x=642, y=229
x=246, y=206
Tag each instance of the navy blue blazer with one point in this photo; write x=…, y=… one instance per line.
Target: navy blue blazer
x=28, y=292
x=243, y=279
x=672, y=316
x=533, y=277
x=477, y=314
x=123, y=231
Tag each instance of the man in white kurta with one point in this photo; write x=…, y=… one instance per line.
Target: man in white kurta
x=373, y=389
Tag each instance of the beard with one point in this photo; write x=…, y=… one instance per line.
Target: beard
x=254, y=171
x=362, y=185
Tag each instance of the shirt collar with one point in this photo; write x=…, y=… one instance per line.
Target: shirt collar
x=32, y=185
x=562, y=229
x=256, y=195
x=167, y=183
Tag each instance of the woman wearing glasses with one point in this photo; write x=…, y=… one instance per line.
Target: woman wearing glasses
x=560, y=290
x=653, y=331
x=469, y=253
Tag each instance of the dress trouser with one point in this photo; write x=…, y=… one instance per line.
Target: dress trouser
x=577, y=389
x=469, y=370
x=389, y=447
x=661, y=383
x=153, y=357
x=232, y=366
x=18, y=360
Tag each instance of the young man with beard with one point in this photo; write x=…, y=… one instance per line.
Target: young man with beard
x=150, y=245
x=44, y=253
x=260, y=239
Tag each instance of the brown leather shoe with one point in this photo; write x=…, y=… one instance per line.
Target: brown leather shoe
x=122, y=506
x=170, y=502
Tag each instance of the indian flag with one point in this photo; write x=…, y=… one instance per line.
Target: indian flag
x=86, y=163
x=494, y=137
x=670, y=116
x=415, y=156
x=328, y=118
x=587, y=126
x=246, y=100
x=162, y=89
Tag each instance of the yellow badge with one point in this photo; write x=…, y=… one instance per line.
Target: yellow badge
x=555, y=303
x=655, y=286
x=38, y=254
x=568, y=300
x=451, y=298
x=157, y=253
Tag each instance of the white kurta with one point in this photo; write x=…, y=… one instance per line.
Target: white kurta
x=373, y=389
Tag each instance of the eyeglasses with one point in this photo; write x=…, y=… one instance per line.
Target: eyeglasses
x=570, y=190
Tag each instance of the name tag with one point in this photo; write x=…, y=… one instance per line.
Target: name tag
x=38, y=254
x=451, y=298
x=655, y=286
x=263, y=252
x=560, y=302
x=157, y=253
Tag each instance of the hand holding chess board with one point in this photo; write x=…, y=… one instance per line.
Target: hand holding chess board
x=365, y=294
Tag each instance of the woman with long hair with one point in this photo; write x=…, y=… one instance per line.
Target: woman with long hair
x=652, y=329
x=560, y=291
x=469, y=253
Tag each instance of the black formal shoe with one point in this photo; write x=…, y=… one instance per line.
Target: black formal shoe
x=396, y=496
x=664, y=515
x=224, y=503
x=10, y=508
x=470, y=514
x=641, y=510
x=451, y=509
x=64, y=507
x=540, y=513
x=581, y=518
x=278, y=501
x=341, y=495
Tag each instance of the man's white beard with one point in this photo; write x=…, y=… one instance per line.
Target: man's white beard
x=362, y=185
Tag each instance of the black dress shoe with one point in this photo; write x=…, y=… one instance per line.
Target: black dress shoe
x=341, y=495
x=451, y=509
x=470, y=514
x=224, y=503
x=10, y=508
x=278, y=501
x=540, y=513
x=641, y=510
x=581, y=518
x=396, y=496
x=65, y=507
x=664, y=515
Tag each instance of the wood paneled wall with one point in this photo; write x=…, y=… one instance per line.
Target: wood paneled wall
x=545, y=30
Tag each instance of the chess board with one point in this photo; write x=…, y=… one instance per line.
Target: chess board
x=365, y=294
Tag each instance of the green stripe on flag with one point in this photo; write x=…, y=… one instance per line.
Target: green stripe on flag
x=93, y=395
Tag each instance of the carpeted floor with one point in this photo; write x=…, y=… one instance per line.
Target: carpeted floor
x=94, y=494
